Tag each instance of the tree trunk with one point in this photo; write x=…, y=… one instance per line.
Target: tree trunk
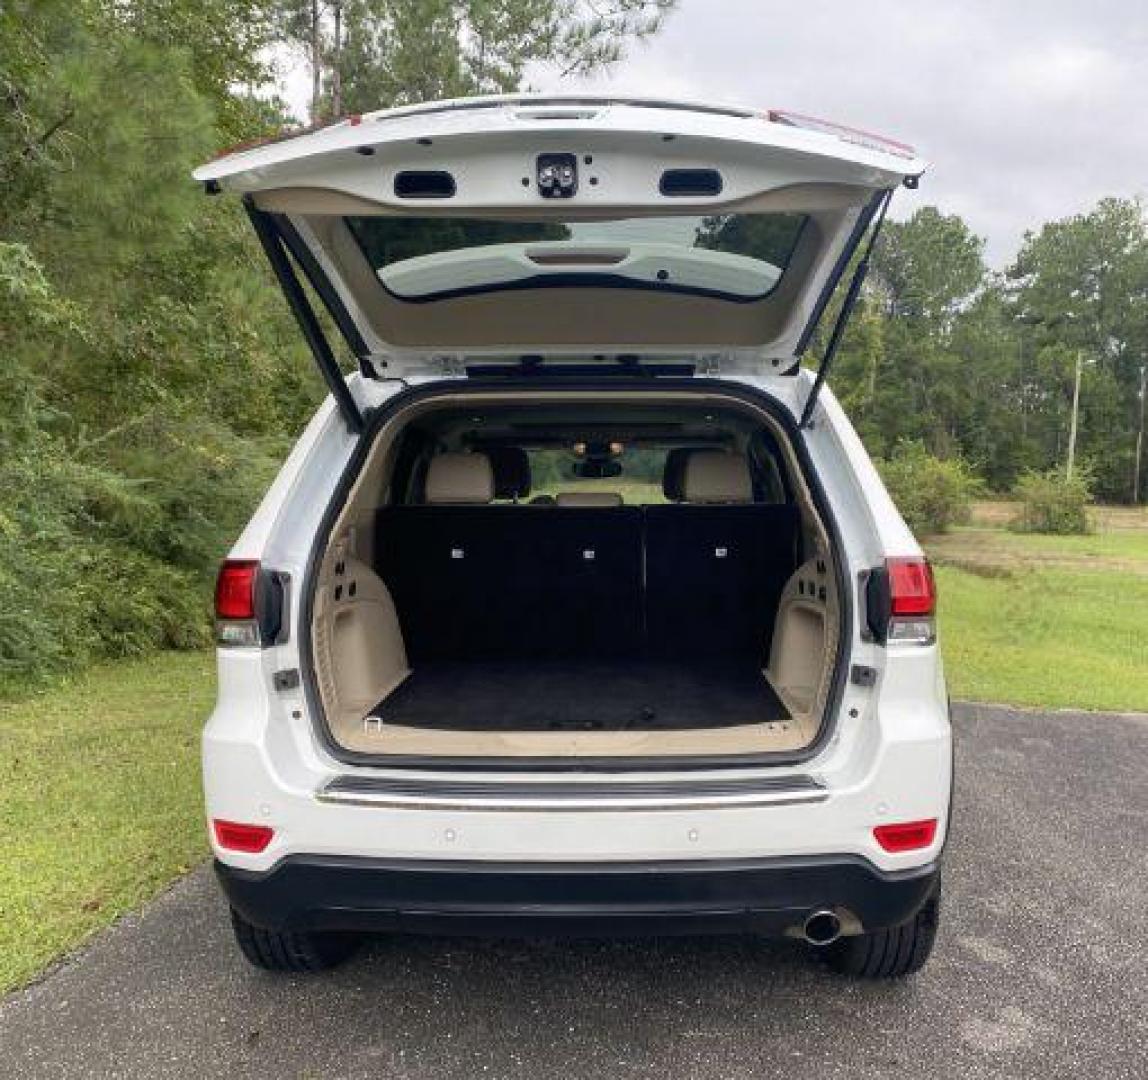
x=1139, y=437
x=316, y=61
x=1075, y=415
x=337, y=62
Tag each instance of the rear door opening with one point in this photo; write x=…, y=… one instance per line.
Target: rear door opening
x=555, y=574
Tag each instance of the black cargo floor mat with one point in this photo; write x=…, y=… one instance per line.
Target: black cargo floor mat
x=582, y=695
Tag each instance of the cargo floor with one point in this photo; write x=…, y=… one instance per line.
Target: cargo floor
x=588, y=695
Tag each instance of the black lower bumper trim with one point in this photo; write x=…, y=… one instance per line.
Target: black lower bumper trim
x=767, y=896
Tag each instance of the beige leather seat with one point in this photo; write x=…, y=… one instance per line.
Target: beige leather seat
x=714, y=477
x=459, y=479
x=589, y=498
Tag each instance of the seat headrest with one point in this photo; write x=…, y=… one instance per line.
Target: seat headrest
x=589, y=498
x=674, y=472
x=511, y=467
x=713, y=476
x=459, y=478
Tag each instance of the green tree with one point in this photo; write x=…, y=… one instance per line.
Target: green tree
x=928, y=266
x=1080, y=286
x=999, y=421
x=36, y=104
x=371, y=54
x=898, y=367
x=859, y=374
x=146, y=381
x=769, y=237
x=225, y=42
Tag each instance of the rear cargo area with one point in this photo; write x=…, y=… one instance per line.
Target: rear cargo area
x=582, y=695
x=471, y=615
x=599, y=708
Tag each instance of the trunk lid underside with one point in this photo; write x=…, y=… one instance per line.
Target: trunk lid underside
x=442, y=230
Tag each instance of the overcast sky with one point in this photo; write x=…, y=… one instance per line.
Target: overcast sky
x=1027, y=109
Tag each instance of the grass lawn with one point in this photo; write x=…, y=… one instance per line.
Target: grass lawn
x=1057, y=621
x=100, y=803
x=976, y=546
x=1059, y=638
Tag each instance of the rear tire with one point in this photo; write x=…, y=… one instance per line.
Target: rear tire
x=274, y=950
x=892, y=953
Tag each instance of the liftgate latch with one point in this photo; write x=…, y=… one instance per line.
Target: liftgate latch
x=285, y=680
x=863, y=675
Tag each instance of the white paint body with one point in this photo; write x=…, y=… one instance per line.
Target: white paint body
x=890, y=762
x=889, y=757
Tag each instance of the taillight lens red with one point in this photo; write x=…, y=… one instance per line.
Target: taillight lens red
x=235, y=589
x=906, y=835
x=238, y=836
x=912, y=590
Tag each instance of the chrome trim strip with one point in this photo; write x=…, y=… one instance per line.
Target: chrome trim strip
x=588, y=796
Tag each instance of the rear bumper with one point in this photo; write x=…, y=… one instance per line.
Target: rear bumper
x=765, y=896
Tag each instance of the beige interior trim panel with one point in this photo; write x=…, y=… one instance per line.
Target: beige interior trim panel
x=364, y=737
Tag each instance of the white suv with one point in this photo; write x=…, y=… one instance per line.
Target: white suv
x=578, y=607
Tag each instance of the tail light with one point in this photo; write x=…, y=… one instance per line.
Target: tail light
x=249, y=603
x=906, y=835
x=239, y=836
x=901, y=601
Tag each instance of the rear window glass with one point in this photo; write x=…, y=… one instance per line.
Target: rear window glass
x=736, y=256
x=639, y=483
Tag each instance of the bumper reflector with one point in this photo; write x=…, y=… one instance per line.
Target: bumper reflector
x=236, y=836
x=906, y=836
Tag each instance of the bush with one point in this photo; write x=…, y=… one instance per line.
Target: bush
x=1051, y=503
x=932, y=493
x=96, y=562
x=71, y=591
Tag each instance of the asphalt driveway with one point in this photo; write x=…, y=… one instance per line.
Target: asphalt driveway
x=1041, y=968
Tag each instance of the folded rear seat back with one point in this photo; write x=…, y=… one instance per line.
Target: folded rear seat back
x=472, y=581
x=584, y=581
x=442, y=565
x=716, y=564
x=440, y=559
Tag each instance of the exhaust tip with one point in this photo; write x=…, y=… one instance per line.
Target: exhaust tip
x=822, y=928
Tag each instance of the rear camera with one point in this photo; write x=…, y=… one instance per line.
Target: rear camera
x=557, y=175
